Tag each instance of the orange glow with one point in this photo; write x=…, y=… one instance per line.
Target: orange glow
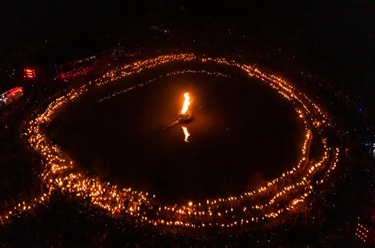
x=186, y=103
x=259, y=204
x=187, y=134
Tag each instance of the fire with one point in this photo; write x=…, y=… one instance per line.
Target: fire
x=59, y=167
x=187, y=134
x=186, y=103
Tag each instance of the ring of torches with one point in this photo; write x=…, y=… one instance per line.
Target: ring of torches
x=269, y=201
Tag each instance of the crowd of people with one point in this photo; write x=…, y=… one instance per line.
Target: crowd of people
x=327, y=219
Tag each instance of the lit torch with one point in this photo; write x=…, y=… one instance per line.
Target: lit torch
x=185, y=114
x=186, y=104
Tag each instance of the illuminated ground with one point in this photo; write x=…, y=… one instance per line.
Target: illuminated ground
x=243, y=133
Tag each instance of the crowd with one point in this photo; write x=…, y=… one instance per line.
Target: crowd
x=327, y=219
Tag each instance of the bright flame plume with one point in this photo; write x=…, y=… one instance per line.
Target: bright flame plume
x=186, y=103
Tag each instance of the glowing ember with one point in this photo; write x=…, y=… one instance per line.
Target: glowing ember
x=187, y=134
x=186, y=103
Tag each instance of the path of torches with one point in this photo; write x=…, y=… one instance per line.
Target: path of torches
x=269, y=201
x=117, y=93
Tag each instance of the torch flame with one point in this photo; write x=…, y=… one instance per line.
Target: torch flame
x=186, y=103
x=187, y=134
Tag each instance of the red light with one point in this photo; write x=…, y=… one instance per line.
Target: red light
x=30, y=73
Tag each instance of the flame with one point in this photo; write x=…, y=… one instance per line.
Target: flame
x=186, y=103
x=187, y=134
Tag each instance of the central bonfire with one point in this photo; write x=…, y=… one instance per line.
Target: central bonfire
x=185, y=114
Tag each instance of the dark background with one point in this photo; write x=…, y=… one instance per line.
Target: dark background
x=334, y=39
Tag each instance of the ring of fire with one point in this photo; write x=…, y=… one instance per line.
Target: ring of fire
x=269, y=201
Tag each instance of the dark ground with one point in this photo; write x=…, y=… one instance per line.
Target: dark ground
x=243, y=135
